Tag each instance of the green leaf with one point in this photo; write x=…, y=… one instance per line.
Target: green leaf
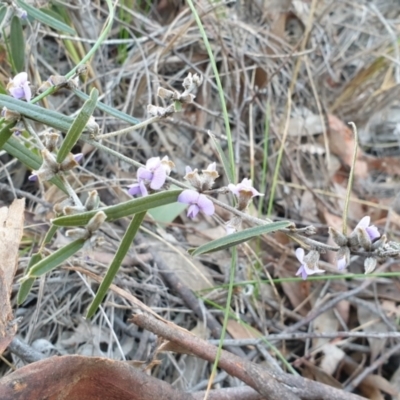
x=16, y=149
x=3, y=13
x=109, y=110
x=77, y=126
x=239, y=237
x=49, y=117
x=27, y=284
x=125, y=209
x=6, y=133
x=17, y=44
x=166, y=214
x=44, y=18
x=55, y=259
x=116, y=262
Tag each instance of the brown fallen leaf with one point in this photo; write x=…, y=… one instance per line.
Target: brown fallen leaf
x=11, y=228
x=84, y=378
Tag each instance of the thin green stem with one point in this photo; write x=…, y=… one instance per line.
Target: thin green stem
x=226, y=317
x=231, y=172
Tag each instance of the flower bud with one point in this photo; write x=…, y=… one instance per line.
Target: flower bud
x=369, y=265
x=165, y=94
x=379, y=243
x=69, y=163
x=51, y=140
x=78, y=233
x=58, y=80
x=233, y=225
x=311, y=259
x=363, y=238
x=167, y=164
x=93, y=200
x=209, y=176
x=155, y=111
x=338, y=237
x=72, y=210
x=9, y=115
x=92, y=126
x=96, y=221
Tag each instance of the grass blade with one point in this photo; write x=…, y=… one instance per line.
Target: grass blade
x=239, y=237
x=116, y=262
x=75, y=130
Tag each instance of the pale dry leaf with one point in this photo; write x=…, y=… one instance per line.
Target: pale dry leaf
x=331, y=359
x=11, y=229
x=371, y=322
x=190, y=271
x=313, y=372
x=240, y=331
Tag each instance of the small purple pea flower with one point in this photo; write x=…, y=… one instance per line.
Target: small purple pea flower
x=197, y=202
x=152, y=176
x=309, y=263
x=371, y=230
x=19, y=87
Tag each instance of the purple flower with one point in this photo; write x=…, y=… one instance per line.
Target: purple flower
x=309, y=263
x=341, y=263
x=152, y=176
x=197, y=202
x=78, y=157
x=138, y=188
x=33, y=177
x=19, y=87
x=371, y=230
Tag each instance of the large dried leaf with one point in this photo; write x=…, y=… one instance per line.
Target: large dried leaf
x=11, y=228
x=84, y=378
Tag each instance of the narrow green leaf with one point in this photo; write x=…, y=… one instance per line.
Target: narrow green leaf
x=5, y=133
x=55, y=259
x=17, y=44
x=109, y=110
x=238, y=237
x=16, y=149
x=78, y=126
x=44, y=18
x=125, y=209
x=116, y=262
x=49, y=117
x=49, y=235
x=3, y=13
x=27, y=284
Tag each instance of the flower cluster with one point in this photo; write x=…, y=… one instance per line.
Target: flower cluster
x=152, y=176
x=364, y=236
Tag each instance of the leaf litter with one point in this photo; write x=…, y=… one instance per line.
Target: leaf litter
x=352, y=54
